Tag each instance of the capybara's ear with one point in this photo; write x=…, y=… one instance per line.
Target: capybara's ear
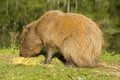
x=25, y=28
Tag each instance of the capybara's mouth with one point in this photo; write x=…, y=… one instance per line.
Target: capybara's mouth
x=20, y=55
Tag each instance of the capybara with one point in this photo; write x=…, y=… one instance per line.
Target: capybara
x=75, y=36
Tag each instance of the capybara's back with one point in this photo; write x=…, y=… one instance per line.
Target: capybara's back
x=75, y=36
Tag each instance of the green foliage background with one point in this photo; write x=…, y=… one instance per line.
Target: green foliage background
x=14, y=14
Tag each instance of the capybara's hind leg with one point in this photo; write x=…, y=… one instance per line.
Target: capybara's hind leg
x=69, y=64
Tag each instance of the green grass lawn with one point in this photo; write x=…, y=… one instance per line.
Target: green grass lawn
x=108, y=69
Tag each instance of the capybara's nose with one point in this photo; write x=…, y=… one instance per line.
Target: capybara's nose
x=20, y=55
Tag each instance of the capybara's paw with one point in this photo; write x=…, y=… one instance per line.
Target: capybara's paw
x=69, y=65
x=44, y=62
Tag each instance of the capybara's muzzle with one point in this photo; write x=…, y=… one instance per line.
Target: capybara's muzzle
x=20, y=55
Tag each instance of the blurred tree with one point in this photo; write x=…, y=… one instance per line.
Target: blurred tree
x=14, y=14
x=68, y=6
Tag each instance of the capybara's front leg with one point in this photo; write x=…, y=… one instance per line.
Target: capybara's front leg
x=49, y=54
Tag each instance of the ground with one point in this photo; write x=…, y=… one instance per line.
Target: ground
x=31, y=69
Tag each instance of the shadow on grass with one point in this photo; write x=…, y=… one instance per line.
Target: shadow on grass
x=56, y=54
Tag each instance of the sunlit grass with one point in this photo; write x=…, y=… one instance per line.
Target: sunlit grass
x=56, y=70
x=110, y=58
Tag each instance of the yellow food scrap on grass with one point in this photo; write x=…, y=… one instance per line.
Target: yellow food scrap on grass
x=34, y=61
x=27, y=61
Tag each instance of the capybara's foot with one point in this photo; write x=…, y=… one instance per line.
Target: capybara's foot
x=44, y=62
x=69, y=65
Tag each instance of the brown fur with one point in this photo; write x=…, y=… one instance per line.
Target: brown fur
x=75, y=36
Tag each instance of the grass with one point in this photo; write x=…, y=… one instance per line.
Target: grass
x=109, y=69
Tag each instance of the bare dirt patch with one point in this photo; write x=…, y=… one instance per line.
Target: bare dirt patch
x=110, y=69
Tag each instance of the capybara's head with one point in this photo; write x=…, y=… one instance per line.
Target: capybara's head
x=30, y=42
